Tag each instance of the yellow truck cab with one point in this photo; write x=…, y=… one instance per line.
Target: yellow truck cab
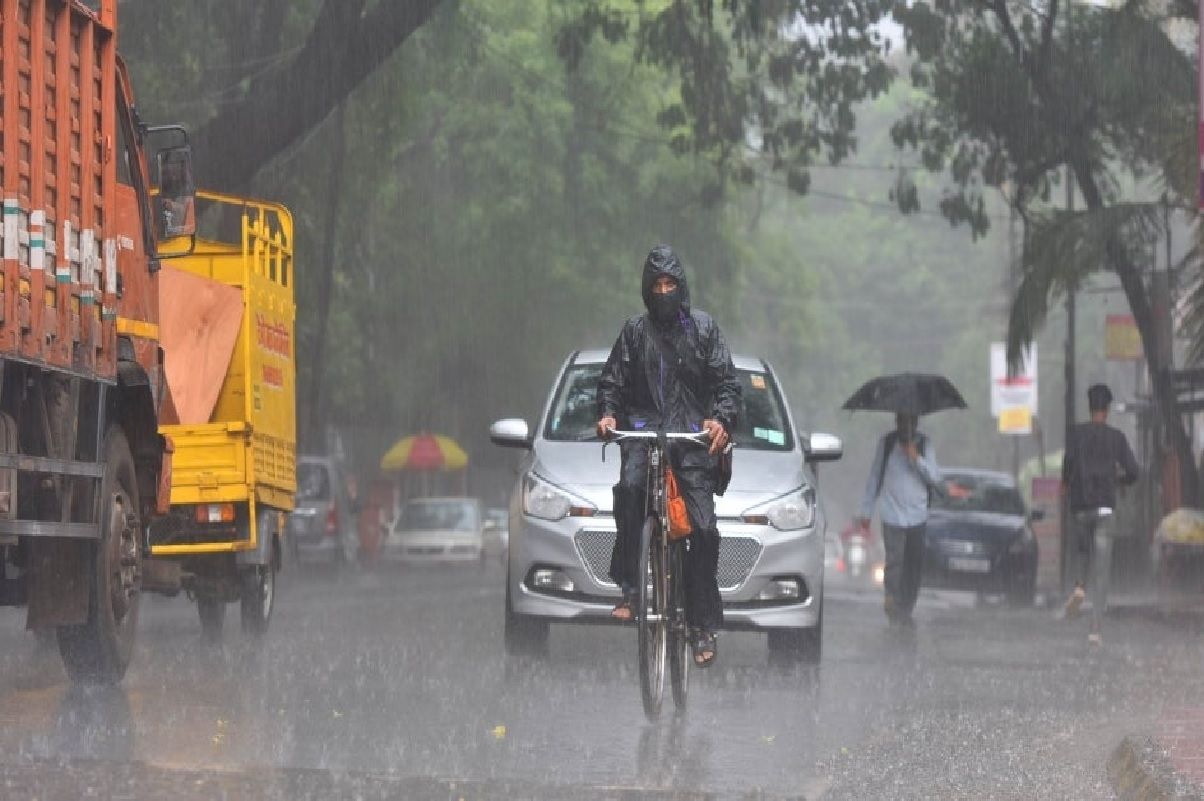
x=230, y=413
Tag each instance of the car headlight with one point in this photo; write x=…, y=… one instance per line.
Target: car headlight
x=792, y=511
x=544, y=500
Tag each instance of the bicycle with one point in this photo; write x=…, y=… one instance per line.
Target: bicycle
x=660, y=614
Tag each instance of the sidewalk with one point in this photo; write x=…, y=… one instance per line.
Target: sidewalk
x=1169, y=762
x=1169, y=765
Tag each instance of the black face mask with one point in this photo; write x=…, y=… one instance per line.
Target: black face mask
x=665, y=308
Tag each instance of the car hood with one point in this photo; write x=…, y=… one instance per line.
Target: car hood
x=757, y=476
x=987, y=527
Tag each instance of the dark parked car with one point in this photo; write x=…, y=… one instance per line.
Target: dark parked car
x=979, y=536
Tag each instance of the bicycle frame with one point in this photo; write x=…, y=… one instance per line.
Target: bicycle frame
x=662, y=628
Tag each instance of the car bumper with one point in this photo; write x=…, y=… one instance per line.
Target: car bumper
x=429, y=552
x=1004, y=571
x=750, y=558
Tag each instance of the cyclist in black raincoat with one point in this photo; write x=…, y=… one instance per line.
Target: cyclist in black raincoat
x=671, y=368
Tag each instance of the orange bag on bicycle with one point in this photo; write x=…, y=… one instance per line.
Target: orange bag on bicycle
x=679, y=520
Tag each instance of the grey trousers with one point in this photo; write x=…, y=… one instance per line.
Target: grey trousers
x=1091, y=558
x=904, y=566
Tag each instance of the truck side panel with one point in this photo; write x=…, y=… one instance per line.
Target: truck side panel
x=210, y=465
x=271, y=357
x=246, y=453
x=63, y=221
x=258, y=391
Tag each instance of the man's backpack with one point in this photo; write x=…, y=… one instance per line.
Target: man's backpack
x=888, y=446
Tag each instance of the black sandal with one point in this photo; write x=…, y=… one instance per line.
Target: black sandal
x=705, y=647
x=627, y=604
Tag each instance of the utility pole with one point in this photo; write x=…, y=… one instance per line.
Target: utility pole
x=1013, y=284
x=1070, y=390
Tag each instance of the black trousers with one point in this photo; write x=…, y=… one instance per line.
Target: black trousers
x=696, y=481
x=904, y=565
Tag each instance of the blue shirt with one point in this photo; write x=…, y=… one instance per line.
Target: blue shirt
x=902, y=499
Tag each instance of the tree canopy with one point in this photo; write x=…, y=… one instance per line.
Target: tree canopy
x=474, y=195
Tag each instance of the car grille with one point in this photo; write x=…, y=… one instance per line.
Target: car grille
x=737, y=557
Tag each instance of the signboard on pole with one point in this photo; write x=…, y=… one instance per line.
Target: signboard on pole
x=1122, y=340
x=1014, y=397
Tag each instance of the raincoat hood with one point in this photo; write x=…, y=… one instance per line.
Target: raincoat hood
x=665, y=308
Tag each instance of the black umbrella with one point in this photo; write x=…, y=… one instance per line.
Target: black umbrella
x=906, y=393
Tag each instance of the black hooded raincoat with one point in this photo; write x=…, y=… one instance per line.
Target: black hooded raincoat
x=670, y=368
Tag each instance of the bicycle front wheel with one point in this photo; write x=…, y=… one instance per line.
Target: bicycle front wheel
x=651, y=618
x=679, y=633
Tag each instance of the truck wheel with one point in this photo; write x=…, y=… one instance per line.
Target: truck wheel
x=212, y=613
x=258, y=598
x=99, y=651
x=798, y=646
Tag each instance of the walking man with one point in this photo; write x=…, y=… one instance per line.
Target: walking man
x=1097, y=457
x=903, y=475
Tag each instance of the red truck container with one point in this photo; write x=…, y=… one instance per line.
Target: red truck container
x=83, y=468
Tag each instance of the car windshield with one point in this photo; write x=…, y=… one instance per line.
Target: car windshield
x=762, y=424
x=313, y=482
x=974, y=493
x=438, y=515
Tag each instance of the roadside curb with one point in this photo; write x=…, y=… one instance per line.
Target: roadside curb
x=1139, y=770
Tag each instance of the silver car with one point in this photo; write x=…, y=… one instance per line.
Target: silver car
x=436, y=530
x=562, y=529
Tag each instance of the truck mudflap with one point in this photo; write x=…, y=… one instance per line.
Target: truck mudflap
x=265, y=534
x=163, y=496
x=59, y=583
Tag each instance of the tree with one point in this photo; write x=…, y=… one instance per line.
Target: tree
x=1018, y=92
x=759, y=83
x=272, y=98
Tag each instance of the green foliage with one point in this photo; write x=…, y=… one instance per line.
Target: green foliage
x=495, y=213
x=749, y=71
x=507, y=169
x=1015, y=92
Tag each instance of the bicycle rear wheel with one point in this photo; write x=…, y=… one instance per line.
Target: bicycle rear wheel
x=679, y=633
x=651, y=618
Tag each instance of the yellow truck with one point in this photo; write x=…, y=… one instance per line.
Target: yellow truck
x=230, y=413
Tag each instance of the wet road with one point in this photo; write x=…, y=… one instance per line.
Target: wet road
x=393, y=685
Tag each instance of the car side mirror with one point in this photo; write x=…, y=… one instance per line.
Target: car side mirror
x=512, y=432
x=823, y=448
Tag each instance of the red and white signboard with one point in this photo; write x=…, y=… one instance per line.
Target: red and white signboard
x=1014, y=397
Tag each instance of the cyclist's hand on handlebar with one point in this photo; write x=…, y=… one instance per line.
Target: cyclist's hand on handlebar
x=605, y=426
x=718, y=435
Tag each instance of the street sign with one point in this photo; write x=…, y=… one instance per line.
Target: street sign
x=1016, y=420
x=1017, y=390
x=1122, y=339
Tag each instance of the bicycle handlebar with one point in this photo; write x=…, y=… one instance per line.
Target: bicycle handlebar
x=699, y=437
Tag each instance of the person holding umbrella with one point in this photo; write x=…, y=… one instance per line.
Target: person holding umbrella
x=903, y=476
